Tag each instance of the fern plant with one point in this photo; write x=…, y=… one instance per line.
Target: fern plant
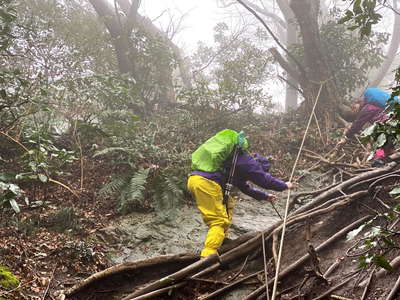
x=168, y=194
x=131, y=190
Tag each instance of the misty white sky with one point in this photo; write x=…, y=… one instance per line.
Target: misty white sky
x=200, y=18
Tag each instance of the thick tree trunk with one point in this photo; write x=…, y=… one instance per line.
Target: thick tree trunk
x=119, y=37
x=316, y=68
x=292, y=85
x=291, y=38
x=287, y=33
x=120, y=26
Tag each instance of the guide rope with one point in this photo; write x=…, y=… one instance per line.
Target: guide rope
x=288, y=196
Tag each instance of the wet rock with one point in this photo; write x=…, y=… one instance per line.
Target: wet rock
x=148, y=235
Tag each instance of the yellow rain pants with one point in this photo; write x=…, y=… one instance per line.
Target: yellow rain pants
x=209, y=200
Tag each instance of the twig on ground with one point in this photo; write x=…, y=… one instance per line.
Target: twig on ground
x=206, y=280
x=394, y=290
x=275, y=240
x=64, y=186
x=383, y=178
x=384, y=204
x=383, y=272
x=303, y=282
x=334, y=288
x=340, y=297
x=369, y=179
x=310, y=193
x=265, y=264
x=241, y=269
x=364, y=294
x=48, y=285
x=159, y=292
x=333, y=267
x=230, y=286
x=346, y=185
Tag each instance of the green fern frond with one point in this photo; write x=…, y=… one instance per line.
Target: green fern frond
x=138, y=181
x=173, y=184
x=133, y=192
x=115, y=185
x=169, y=194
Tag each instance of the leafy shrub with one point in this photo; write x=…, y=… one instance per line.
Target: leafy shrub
x=149, y=169
x=377, y=241
x=39, y=160
x=382, y=133
x=9, y=192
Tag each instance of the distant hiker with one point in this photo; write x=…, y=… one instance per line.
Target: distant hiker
x=219, y=163
x=372, y=107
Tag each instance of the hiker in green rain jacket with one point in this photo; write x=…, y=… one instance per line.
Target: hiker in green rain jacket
x=207, y=188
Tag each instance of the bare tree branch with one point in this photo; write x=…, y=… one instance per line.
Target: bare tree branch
x=285, y=64
x=302, y=71
x=266, y=13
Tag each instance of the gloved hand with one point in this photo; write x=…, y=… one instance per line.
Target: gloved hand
x=271, y=198
x=290, y=185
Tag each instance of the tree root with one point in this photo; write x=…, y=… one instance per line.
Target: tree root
x=159, y=292
x=394, y=290
x=328, y=292
x=395, y=263
x=326, y=201
x=364, y=294
x=345, y=184
x=165, y=281
x=130, y=266
x=300, y=261
x=230, y=286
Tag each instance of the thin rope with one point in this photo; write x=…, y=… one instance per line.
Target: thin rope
x=288, y=197
x=265, y=264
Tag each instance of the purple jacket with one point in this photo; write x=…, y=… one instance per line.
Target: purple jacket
x=368, y=113
x=247, y=169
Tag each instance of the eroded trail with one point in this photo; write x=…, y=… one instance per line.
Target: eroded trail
x=318, y=260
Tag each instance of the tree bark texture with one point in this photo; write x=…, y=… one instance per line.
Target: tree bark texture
x=121, y=20
x=316, y=68
x=291, y=38
x=118, y=36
